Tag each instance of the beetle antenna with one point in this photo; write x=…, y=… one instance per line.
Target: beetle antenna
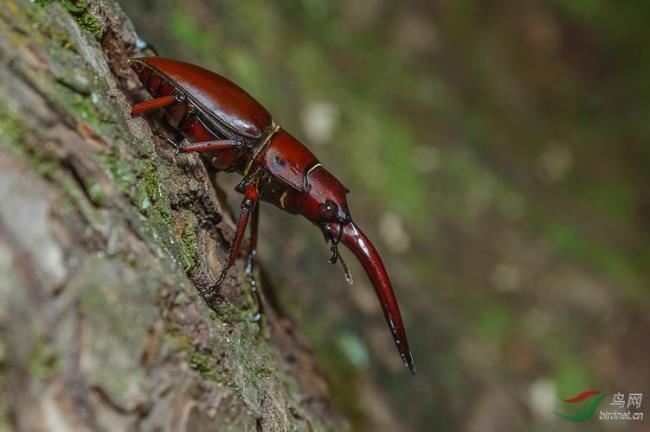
x=346, y=272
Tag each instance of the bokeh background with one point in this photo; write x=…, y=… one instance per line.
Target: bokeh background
x=497, y=153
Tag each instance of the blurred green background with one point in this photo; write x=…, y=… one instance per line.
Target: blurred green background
x=498, y=155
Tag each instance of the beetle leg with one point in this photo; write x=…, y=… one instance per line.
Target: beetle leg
x=142, y=45
x=153, y=104
x=252, y=246
x=169, y=141
x=252, y=253
x=206, y=146
x=251, y=197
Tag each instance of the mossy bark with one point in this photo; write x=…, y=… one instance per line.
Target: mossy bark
x=106, y=238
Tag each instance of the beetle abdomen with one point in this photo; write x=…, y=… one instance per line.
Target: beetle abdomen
x=220, y=98
x=155, y=84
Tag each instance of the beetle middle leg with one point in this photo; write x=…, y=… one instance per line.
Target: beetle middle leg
x=206, y=146
x=251, y=200
x=203, y=146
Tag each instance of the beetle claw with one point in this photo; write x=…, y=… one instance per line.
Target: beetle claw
x=142, y=45
x=178, y=147
x=174, y=144
x=209, y=290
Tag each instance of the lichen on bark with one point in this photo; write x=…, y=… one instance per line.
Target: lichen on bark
x=106, y=238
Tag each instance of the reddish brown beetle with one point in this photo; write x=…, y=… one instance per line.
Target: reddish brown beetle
x=236, y=133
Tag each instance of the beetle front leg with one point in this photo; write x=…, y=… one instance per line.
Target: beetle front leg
x=252, y=246
x=251, y=198
x=250, y=262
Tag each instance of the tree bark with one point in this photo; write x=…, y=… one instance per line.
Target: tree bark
x=106, y=236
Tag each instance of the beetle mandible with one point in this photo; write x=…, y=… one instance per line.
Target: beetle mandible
x=237, y=134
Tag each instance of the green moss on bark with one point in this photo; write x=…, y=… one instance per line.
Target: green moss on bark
x=187, y=235
x=82, y=13
x=43, y=361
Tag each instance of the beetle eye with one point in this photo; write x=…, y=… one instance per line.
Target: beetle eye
x=328, y=210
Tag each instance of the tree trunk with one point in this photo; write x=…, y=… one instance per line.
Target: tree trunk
x=106, y=237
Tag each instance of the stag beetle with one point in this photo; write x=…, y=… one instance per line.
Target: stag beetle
x=237, y=134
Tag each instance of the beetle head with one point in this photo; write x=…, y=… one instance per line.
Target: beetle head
x=325, y=198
